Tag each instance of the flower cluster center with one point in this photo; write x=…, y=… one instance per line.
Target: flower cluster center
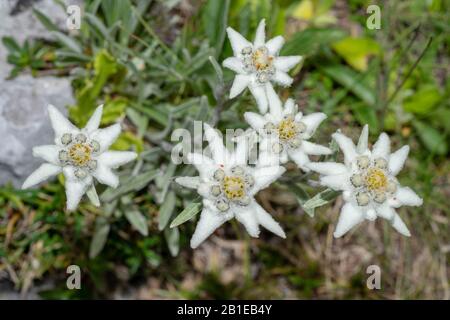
x=233, y=187
x=80, y=154
x=371, y=181
x=376, y=179
x=260, y=62
x=287, y=129
x=78, y=151
x=261, y=59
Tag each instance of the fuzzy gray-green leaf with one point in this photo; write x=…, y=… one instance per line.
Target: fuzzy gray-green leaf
x=137, y=220
x=188, y=213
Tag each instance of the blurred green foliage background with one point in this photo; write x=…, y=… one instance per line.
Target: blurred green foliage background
x=156, y=66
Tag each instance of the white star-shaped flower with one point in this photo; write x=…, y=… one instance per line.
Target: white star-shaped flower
x=368, y=181
x=285, y=132
x=228, y=186
x=80, y=154
x=257, y=64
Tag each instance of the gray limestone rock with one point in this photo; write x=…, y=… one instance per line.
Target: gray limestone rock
x=24, y=121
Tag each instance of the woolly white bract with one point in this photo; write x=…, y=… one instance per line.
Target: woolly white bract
x=257, y=64
x=284, y=131
x=81, y=155
x=367, y=179
x=228, y=185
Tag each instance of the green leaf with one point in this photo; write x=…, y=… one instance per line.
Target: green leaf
x=100, y=236
x=114, y=109
x=433, y=140
x=137, y=220
x=187, y=214
x=46, y=22
x=319, y=200
x=93, y=196
x=215, y=20
x=126, y=140
x=365, y=115
x=356, y=51
x=173, y=240
x=166, y=210
x=67, y=41
x=309, y=41
x=11, y=44
x=423, y=101
x=302, y=197
x=128, y=184
x=350, y=80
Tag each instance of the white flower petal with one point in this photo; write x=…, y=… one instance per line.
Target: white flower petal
x=260, y=36
x=400, y=226
x=234, y=64
x=265, y=176
x=208, y=223
x=268, y=158
x=363, y=140
x=397, y=160
x=382, y=147
x=114, y=159
x=350, y=216
x=75, y=188
x=241, y=153
x=286, y=63
x=94, y=121
x=218, y=150
x=346, y=145
x=49, y=153
x=188, y=182
x=282, y=78
x=104, y=175
x=106, y=137
x=204, y=165
x=256, y=121
x=60, y=123
x=274, y=45
x=386, y=212
x=246, y=216
x=41, y=174
x=74, y=192
x=371, y=214
x=300, y=158
x=335, y=181
x=267, y=221
x=407, y=197
x=259, y=93
x=327, y=168
x=240, y=82
x=275, y=106
x=312, y=121
x=291, y=108
x=237, y=41
x=314, y=149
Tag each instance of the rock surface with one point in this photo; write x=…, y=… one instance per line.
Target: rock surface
x=24, y=121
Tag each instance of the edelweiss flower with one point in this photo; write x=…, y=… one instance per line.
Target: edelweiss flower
x=284, y=131
x=79, y=155
x=367, y=179
x=228, y=185
x=258, y=64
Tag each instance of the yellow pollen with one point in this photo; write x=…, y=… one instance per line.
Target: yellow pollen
x=287, y=129
x=376, y=180
x=261, y=60
x=233, y=187
x=80, y=154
